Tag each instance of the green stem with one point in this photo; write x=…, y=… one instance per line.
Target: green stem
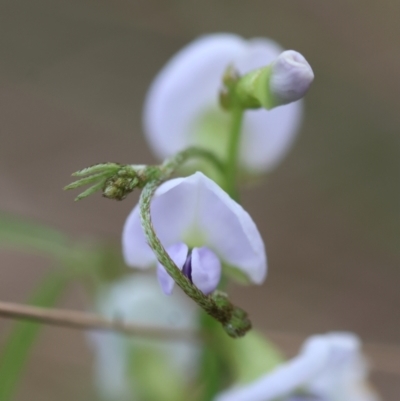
x=233, y=319
x=171, y=164
x=233, y=151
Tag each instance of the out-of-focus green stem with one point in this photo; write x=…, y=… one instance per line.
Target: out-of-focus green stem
x=233, y=151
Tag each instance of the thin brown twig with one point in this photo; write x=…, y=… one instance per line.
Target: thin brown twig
x=89, y=321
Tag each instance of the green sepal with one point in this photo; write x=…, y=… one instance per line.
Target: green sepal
x=86, y=180
x=91, y=190
x=97, y=168
x=252, y=91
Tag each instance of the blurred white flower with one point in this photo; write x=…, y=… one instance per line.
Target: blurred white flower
x=329, y=367
x=137, y=299
x=201, y=227
x=182, y=107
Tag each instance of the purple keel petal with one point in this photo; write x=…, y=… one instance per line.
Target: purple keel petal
x=206, y=269
x=178, y=253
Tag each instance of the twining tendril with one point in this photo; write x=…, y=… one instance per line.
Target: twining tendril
x=233, y=319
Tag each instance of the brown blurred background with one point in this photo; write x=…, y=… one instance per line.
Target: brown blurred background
x=73, y=75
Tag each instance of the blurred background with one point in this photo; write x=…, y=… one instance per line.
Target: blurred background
x=73, y=76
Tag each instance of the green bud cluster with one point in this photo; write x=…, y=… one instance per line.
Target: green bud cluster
x=115, y=181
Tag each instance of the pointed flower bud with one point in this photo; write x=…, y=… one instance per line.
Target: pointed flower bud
x=329, y=367
x=201, y=227
x=182, y=107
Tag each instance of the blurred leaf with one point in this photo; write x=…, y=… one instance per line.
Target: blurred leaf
x=253, y=355
x=212, y=370
x=15, y=352
x=237, y=361
x=16, y=232
x=155, y=377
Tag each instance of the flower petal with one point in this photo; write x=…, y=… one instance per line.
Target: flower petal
x=178, y=253
x=196, y=207
x=172, y=212
x=329, y=367
x=187, y=89
x=187, y=86
x=286, y=378
x=345, y=375
x=206, y=269
x=268, y=135
x=137, y=299
x=228, y=229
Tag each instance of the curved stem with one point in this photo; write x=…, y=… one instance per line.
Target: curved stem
x=233, y=151
x=233, y=319
x=171, y=164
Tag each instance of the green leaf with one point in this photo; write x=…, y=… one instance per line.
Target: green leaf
x=154, y=378
x=251, y=356
x=17, y=233
x=15, y=352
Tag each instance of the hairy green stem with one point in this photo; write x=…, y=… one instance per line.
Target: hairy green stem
x=233, y=319
x=233, y=151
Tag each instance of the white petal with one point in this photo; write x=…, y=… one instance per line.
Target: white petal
x=286, y=378
x=187, y=88
x=345, y=375
x=206, y=269
x=172, y=214
x=178, y=253
x=330, y=367
x=228, y=229
x=110, y=369
x=197, y=206
x=269, y=135
x=138, y=299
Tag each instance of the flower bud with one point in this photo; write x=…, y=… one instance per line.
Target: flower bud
x=291, y=77
x=284, y=81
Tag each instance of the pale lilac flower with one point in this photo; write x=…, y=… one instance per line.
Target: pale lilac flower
x=201, y=228
x=137, y=299
x=329, y=367
x=182, y=107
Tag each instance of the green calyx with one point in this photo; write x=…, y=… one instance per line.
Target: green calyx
x=250, y=91
x=116, y=181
